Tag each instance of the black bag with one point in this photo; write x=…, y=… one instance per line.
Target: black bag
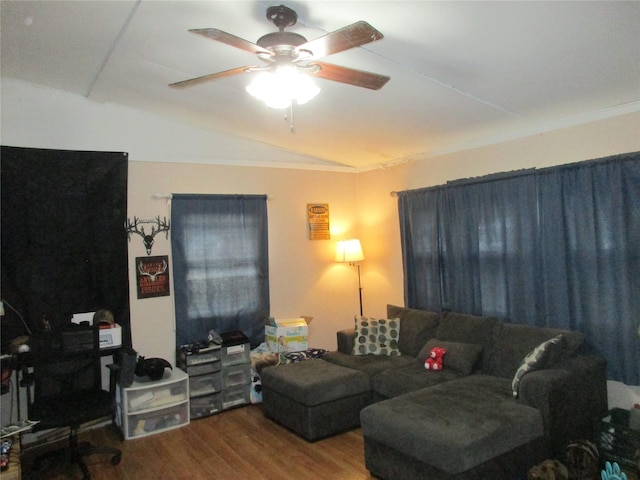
x=126, y=360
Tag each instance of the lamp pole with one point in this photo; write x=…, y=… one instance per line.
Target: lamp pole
x=359, y=289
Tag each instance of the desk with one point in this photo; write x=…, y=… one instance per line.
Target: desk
x=14, y=469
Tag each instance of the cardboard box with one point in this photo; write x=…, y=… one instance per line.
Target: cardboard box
x=286, y=335
x=110, y=336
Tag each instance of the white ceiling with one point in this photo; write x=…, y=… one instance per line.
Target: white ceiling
x=463, y=74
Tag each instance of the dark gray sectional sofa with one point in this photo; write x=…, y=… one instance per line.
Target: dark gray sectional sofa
x=465, y=421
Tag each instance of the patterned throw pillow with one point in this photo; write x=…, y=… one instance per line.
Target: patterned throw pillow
x=543, y=356
x=376, y=336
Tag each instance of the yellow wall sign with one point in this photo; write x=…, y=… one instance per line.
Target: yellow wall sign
x=318, y=214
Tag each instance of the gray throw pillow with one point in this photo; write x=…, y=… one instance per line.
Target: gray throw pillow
x=460, y=357
x=418, y=326
x=543, y=356
x=376, y=336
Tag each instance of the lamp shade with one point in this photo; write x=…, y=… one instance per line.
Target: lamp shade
x=280, y=88
x=349, y=251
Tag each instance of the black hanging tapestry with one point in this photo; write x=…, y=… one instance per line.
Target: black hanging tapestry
x=64, y=246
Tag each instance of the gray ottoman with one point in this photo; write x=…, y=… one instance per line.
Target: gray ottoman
x=466, y=429
x=314, y=398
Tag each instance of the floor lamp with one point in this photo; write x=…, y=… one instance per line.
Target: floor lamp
x=350, y=251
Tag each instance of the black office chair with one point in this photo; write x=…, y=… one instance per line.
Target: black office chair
x=67, y=390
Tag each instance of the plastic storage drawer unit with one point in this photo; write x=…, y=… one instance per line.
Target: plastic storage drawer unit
x=204, y=355
x=153, y=406
x=205, y=384
x=235, y=349
x=235, y=396
x=202, y=363
x=205, y=406
x=236, y=375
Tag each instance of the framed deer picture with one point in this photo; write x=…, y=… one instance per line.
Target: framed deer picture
x=152, y=276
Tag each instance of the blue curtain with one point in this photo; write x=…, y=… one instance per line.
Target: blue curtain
x=220, y=264
x=556, y=247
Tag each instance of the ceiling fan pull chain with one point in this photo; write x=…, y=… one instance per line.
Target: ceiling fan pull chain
x=292, y=127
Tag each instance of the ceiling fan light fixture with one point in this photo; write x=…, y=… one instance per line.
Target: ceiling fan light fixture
x=278, y=89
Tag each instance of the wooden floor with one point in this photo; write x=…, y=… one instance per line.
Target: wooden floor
x=237, y=444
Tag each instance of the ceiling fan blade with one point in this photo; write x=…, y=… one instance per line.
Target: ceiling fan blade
x=224, y=37
x=354, y=35
x=359, y=78
x=212, y=76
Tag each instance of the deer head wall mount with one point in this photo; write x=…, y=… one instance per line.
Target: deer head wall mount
x=147, y=238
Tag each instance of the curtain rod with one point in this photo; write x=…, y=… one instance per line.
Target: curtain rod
x=491, y=177
x=169, y=196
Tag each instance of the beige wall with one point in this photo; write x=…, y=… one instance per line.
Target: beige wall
x=377, y=210
x=304, y=280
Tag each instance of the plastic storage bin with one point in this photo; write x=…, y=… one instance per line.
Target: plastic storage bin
x=205, y=384
x=147, y=423
x=203, y=367
x=235, y=349
x=156, y=396
x=206, y=355
x=205, y=406
x=235, y=396
x=236, y=375
x=146, y=407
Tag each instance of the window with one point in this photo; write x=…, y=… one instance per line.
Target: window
x=220, y=261
x=554, y=247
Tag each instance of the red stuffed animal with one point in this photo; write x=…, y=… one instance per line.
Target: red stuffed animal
x=434, y=361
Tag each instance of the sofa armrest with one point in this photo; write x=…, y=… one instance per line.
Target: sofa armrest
x=346, y=340
x=570, y=396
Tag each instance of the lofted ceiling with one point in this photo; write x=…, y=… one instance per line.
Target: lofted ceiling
x=463, y=74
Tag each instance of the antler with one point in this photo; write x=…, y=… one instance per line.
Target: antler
x=152, y=275
x=163, y=226
x=132, y=227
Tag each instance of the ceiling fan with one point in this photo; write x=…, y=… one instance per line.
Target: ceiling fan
x=290, y=49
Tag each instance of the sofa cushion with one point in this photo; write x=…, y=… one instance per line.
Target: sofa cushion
x=314, y=382
x=456, y=425
x=460, y=357
x=474, y=329
x=418, y=326
x=513, y=342
x=369, y=364
x=376, y=336
x=543, y=356
x=408, y=378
